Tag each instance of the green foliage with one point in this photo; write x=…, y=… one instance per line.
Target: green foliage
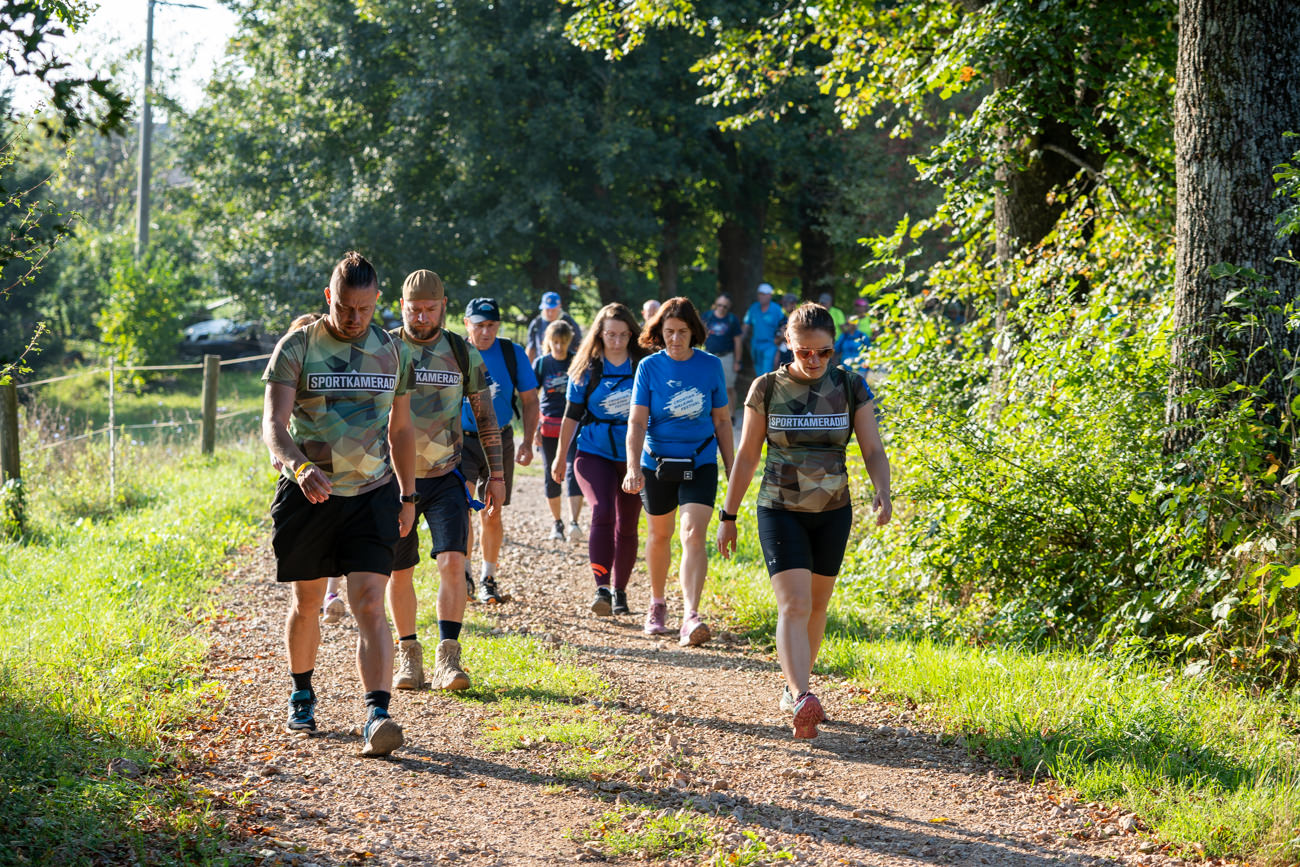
x=145, y=304
x=102, y=662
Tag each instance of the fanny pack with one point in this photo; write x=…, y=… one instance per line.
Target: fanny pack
x=551, y=426
x=678, y=469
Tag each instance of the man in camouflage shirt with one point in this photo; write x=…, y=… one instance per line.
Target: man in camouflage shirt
x=446, y=370
x=337, y=418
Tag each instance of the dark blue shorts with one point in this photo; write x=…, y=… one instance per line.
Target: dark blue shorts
x=445, y=511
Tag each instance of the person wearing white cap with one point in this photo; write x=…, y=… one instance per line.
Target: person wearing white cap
x=761, y=322
x=549, y=311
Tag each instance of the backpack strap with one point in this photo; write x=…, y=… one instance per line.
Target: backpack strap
x=595, y=374
x=851, y=394
x=512, y=370
x=769, y=383
x=460, y=352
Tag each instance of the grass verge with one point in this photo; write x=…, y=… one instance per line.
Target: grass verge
x=98, y=662
x=646, y=835
x=1208, y=767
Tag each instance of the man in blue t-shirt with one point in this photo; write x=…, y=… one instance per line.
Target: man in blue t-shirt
x=482, y=322
x=851, y=342
x=761, y=323
x=724, y=341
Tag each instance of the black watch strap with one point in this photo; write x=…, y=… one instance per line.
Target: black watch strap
x=724, y=516
x=410, y=498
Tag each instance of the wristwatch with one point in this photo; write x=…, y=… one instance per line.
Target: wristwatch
x=410, y=498
x=724, y=516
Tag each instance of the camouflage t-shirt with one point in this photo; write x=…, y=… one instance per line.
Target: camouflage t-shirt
x=808, y=429
x=345, y=390
x=436, y=395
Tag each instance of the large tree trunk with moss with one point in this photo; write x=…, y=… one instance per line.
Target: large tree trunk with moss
x=1238, y=92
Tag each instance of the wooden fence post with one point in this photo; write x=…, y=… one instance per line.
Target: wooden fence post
x=208, y=428
x=10, y=466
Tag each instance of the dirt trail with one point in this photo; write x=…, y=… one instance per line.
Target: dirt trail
x=876, y=787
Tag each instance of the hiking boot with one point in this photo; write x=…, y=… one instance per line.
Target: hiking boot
x=382, y=733
x=787, y=699
x=469, y=585
x=410, y=666
x=620, y=602
x=447, y=673
x=557, y=532
x=302, y=711
x=807, y=714
x=575, y=532
x=694, y=632
x=487, y=591
x=656, y=619
x=601, y=604
x=334, y=610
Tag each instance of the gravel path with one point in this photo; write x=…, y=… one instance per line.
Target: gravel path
x=876, y=788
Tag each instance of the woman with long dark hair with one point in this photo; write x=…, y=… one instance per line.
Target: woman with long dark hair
x=599, y=397
x=679, y=425
x=807, y=411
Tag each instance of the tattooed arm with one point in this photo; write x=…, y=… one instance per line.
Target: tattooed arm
x=489, y=436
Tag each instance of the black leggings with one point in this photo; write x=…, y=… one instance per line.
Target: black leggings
x=804, y=540
x=549, y=447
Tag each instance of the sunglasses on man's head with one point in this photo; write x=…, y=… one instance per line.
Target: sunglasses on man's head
x=805, y=354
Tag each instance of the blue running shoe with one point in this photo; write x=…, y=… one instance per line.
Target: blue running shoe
x=383, y=734
x=302, y=711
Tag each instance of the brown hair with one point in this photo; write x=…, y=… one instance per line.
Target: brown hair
x=353, y=271
x=593, y=345
x=557, y=331
x=304, y=320
x=674, y=308
x=811, y=317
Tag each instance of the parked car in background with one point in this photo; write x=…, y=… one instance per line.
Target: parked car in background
x=225, y=338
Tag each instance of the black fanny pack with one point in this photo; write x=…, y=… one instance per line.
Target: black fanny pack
x=678, y=469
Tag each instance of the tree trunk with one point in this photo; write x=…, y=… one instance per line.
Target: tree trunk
x=816, y=261
x=1237, y=94
x=543, y=270
x=609, y=279
x=670, y=248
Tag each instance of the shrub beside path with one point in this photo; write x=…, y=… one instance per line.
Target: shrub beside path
x=677, y=755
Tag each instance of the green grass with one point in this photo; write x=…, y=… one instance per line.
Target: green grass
x=98, y=659
x=643, y=834
x=1204, y=763
x=75, y=406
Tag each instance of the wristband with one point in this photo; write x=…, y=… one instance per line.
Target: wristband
x=409, y=498
x=496, y=479
x=304, y=467
x=724, y=516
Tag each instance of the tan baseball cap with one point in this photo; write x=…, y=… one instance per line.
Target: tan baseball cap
x=423, y=286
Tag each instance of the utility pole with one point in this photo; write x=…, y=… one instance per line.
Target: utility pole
x=146, y=146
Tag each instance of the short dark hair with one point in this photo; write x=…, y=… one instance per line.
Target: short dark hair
x=674, y=308
x=811, y=317
x=353, y=271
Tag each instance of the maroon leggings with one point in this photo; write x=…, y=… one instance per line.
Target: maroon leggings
x=612, y=542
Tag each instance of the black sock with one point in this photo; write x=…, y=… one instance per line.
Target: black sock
x=302, y=681
x=378, y=700
x=410, y=637
x=448, y=629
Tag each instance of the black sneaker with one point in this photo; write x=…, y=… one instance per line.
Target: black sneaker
x=302, y=711
x=469, y=584
x=600, y=604
x=620, y=602
x=487, y=591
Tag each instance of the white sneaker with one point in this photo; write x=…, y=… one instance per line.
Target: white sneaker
x=575, y=532
x=557, y=532
x=334, y=609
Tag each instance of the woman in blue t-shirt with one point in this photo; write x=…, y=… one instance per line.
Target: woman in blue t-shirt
x=599, y=397
x=552, y=369
x=680, y=423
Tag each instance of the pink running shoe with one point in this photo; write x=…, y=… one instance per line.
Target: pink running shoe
x=807, y=714
x=694, y=632
x=656, y=619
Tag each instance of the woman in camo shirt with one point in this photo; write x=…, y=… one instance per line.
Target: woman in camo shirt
x=806, y=411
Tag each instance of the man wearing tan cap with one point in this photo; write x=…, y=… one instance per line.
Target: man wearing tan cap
x=447, y=369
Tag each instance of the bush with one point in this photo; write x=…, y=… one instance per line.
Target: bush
x=146, y=302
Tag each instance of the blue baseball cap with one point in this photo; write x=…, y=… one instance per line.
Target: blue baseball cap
x=550, y=301
x=483, y=310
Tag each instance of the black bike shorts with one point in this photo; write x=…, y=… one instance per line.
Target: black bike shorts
x=804, y=540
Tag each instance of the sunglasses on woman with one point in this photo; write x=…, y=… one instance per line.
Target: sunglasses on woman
x=805, y=354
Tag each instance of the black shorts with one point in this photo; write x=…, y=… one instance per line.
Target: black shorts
x=553, y=489
x=336, y=537
x=660, y=498
x=445, y=511
x=804, y=540
x=473, y=463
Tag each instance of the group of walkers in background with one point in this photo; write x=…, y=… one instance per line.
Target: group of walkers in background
x=372, y=429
